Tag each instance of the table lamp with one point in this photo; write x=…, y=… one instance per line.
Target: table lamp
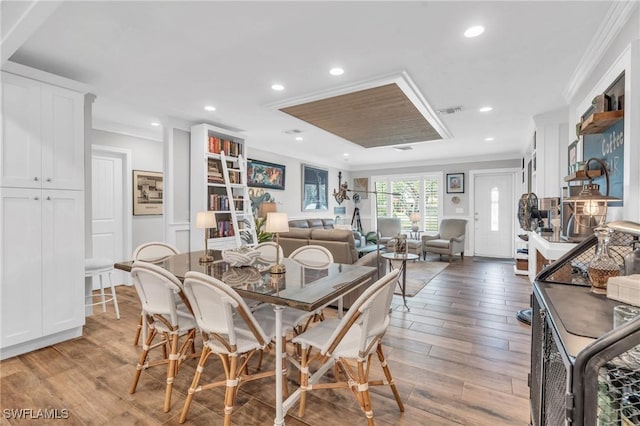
x=276, y=223
x=414, y=218
x=206, y=220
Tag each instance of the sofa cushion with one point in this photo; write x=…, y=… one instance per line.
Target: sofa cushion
x=328, y=223
x=315, y=223
x=290, y=244
x=332, y=235
x=303, y=233
x=299, y=223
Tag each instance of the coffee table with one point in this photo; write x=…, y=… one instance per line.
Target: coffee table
x=402, y=257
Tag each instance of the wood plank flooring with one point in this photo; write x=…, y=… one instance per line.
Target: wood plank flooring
x=458, y=357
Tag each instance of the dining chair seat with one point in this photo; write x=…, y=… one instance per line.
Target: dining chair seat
x=101, y=267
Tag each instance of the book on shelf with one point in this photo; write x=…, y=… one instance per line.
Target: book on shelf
x=217, y=145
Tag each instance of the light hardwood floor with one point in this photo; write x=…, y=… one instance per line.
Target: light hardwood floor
x=459, y=357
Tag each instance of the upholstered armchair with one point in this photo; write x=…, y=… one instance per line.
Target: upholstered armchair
x=388, y=228
x=449, y=240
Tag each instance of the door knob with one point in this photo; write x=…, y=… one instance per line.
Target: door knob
x=35, y=178
x=48, y=179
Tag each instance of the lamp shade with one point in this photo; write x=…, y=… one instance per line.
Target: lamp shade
x=414, y=217
x=277, y=222
x=266, y=208
x=205, y=220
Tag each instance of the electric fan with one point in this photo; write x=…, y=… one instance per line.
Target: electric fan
x=528, y=211
x=528, y=216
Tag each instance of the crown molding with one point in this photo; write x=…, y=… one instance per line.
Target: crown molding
x=45, y=77
x=401, y=79
x=124, y=129
x=616, y=17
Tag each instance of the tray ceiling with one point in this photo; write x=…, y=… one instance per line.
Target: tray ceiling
x=373, y=117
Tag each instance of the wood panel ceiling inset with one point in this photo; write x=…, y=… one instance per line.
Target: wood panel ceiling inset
x=380, y=116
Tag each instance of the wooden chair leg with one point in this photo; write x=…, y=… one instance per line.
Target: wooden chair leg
x=171, y=370
x=142, y=360
x=136, y=339
x=387, y=374
x=230, y=391
x=363, y=383
x=194, y=383
x=304, y=379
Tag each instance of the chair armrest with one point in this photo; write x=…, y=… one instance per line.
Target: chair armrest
x=426, y=238
x=458, y=239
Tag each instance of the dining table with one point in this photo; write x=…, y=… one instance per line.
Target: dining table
x=298, y=287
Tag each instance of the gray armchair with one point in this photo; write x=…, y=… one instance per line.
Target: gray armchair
x=449, y=241
x=388, y=228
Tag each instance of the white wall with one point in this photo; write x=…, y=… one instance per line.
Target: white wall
x=290, y=200
x=449, y=208
x=622, y=55
x=146, y=155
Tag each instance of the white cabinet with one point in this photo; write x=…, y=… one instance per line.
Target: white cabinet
x=43, y=133
x=41, y=215
x=42, y=253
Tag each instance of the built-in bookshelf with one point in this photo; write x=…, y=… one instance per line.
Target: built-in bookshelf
x=218, y=184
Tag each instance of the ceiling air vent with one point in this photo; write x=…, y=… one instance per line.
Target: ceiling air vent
x=293, y=131
x=403, y=148
x=451, y=110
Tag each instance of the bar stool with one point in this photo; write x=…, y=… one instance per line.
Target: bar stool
x=99, y=267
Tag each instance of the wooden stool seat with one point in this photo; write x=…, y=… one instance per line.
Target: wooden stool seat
x=98, y=267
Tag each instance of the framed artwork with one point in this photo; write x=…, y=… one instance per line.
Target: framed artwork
x=261, y=174
x=361, y=186
x=147, y=193
x=455, y=183
x=608, y=146
x=315, y=188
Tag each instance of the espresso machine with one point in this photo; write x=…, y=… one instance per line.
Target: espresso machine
x=549, y=209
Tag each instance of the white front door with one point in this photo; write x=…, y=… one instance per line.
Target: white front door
x=494, y=214
x=107, y=209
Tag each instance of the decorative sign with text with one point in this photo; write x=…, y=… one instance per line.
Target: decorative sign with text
x=609, y=147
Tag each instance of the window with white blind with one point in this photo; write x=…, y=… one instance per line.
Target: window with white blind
x=399, y=196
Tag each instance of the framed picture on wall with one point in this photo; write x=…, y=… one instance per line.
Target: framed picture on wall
x=147, y=193
x=315, y=188
x=455, y=183
x=261, y=174
x=572, y=156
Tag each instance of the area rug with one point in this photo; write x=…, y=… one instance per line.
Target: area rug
x=419, y=274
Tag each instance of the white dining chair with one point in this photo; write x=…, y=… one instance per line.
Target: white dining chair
x=157, y=289
x=268, y=251
x=153, y=251
x=355, y=337
x=312, y=256
x=230, y=331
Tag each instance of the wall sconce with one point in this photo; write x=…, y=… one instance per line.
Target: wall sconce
x=206, y=220
x=414, y=218
x=276, y=223
x=590, y=206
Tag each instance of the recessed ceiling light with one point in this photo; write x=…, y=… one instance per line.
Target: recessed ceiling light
x=474, y=31
x=485, y=109
x=346, y=154
x=489, y=139
x=155, y=123
x=298, y=138
x=278, y=87
x=210, y=108
x=336, y=71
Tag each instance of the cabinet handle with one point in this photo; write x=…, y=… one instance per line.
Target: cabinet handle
x=48, y=179
x=36, y=198
x=35, y=178
x=48, y=198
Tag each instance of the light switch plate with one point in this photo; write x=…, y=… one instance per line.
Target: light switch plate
x=459, y=210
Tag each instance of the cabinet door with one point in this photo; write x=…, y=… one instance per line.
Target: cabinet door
x=62, y=138
x=62, y=260
x=20, y=159
x=20, y=265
